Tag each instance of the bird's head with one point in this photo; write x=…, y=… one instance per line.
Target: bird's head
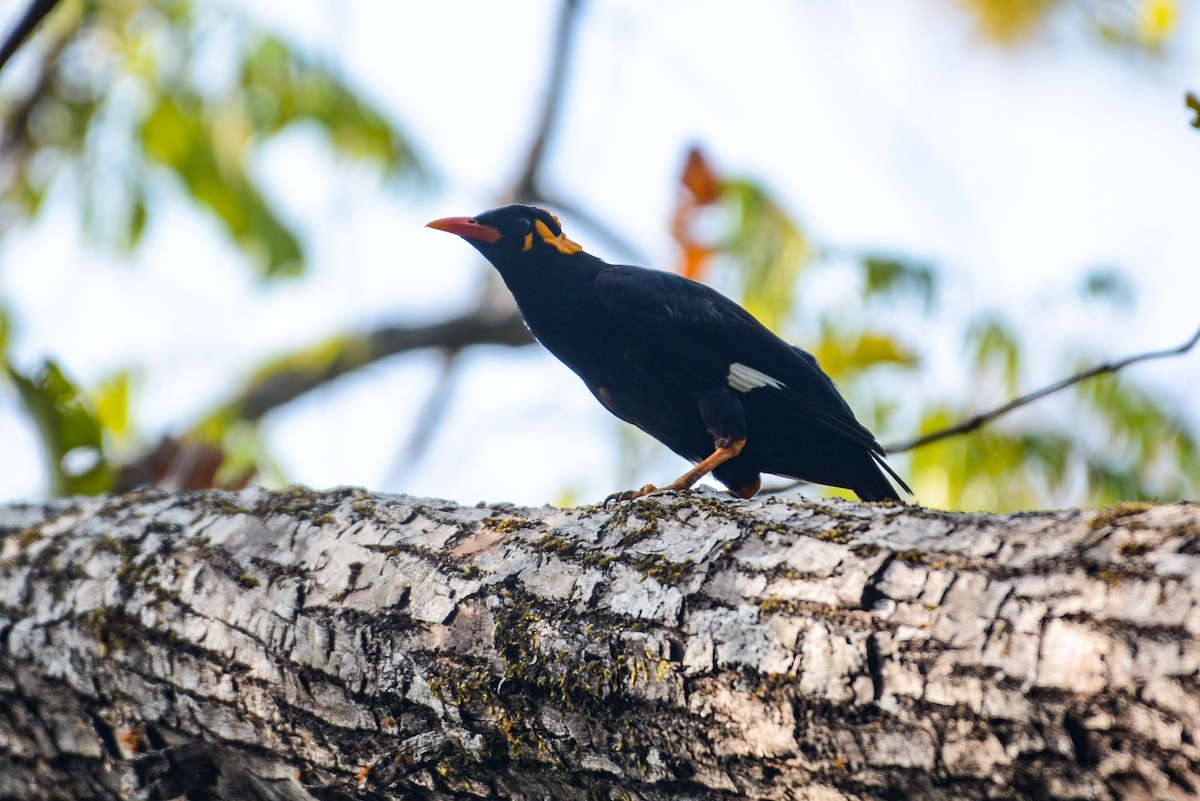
x=511, y=233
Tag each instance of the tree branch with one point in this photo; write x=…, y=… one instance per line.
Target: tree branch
x=597, y=226
x=526, y=185
x=428, y=419
x=528, y=188
x=972, y=423
x=36, y=12
x=297, y=645
x=300, y=373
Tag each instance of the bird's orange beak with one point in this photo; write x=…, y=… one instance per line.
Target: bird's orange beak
x=467, y=228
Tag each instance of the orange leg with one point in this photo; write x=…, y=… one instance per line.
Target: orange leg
x=722, y=454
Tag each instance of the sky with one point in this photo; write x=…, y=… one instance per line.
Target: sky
x=878, y=125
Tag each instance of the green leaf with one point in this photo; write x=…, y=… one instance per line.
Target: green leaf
x=1109, y=285
x=1113, y=482
x=889, y=275
x=199, y=124
x=178, y=136
x=71, y=435
x=768, y=249
x=279, y=89
x=1050, y=452
x=245, y=453
x=990, y=468
x=842, y=356
x=1141, y=435
x=995, y=345
x=171, y=136
x=111, y=402
x=5, y=333
x=939, y=469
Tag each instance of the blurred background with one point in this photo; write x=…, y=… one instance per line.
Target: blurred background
x=214, y=270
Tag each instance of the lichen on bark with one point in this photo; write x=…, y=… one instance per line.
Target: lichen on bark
x=303, y=644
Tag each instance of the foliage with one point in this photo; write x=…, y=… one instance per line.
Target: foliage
x=122, y=107
x=131, y=72
x=69, y=428
x=123, y=95
x=1142, y=25
x=1124, y=443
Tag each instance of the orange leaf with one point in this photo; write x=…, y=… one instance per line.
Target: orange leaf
x=176, y=464
x=695, y=259
x=699, y=179
x=701, y=187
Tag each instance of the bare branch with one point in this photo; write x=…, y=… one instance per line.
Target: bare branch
x=597, y=226
x=559, y=63
x=429, y=418
x=527, y=188
x=983, y=418
x=287, y=383
x=36, y=12
x=979, y=420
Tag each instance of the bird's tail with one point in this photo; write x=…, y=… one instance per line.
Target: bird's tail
x=876, y=486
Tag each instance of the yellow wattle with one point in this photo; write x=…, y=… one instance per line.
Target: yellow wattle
x=560, y=243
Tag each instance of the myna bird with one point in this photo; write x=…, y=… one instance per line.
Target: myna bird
x=680, y=361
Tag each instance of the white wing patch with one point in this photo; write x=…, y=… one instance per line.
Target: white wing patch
x=744, y=379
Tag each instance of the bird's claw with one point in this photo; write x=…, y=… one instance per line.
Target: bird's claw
x=629, y=495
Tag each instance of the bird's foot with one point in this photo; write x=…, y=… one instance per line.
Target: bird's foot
x=629, y=495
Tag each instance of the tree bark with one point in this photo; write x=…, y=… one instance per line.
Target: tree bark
x=336, y=645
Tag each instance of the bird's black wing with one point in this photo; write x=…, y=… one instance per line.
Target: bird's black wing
x=701, y=332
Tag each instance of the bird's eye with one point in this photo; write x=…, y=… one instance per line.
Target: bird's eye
x=523, y=227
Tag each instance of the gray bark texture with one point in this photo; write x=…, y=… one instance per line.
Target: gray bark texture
x=344, y=645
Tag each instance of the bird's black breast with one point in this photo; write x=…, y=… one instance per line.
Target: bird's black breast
x=568, y=319
x=629, y=371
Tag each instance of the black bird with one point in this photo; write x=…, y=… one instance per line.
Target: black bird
x=680, y=361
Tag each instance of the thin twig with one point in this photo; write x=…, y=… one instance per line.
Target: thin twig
x=528, y=188
x=36, y=12
x=428, y=419
x=983, y=418
x=526, y=185
x=972, y=423
x=598, y=227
